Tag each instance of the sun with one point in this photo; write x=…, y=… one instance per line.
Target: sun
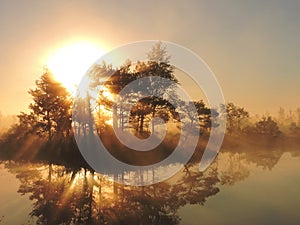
x=70, y=62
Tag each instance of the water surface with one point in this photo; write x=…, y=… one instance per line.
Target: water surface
x=241, y=187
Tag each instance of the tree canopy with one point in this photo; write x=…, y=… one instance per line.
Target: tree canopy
x=51, y=107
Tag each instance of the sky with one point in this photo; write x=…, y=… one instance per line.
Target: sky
x=251, y=46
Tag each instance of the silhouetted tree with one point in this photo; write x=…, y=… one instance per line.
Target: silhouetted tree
x=159, y=65
x=267, y=126
x=51, y=106
x=206, y=115
x=236, y=116
x=83, y=120
x=138, y=114
x=114, y=80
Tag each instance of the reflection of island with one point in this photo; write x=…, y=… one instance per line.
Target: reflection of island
x=64, y=196
x=67, y=196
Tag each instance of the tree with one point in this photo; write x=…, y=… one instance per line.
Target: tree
x=82, y=116
x=206, y=115
x=298, y=116
x=236, y=116
x=51, y=106
x=159, y=65
x=106, y=80
x=138, y=114
x=114, y=80
x=6, y=121
x=267, y=126
x=281, y=116
x=294, y=129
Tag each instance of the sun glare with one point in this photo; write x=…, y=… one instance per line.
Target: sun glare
x=70, y=63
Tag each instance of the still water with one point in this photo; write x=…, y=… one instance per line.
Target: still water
x=253, y=187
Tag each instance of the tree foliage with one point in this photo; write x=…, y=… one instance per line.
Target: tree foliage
x=236, y=118
x=148, y=107
x=51, y=107
x=267, y=126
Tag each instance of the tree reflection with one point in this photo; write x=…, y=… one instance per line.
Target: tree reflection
x=234, y=171
x=63, y=195
x=66, y=196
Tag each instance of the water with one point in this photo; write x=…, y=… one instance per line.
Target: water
x=14, y=208
x=266, y=196
x=241, y=187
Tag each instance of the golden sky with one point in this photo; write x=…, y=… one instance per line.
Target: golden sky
x=251, y=46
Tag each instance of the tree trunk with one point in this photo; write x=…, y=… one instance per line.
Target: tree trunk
x=115, y=184
x=153, y=115
x=48, y=126
x=142, y=124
